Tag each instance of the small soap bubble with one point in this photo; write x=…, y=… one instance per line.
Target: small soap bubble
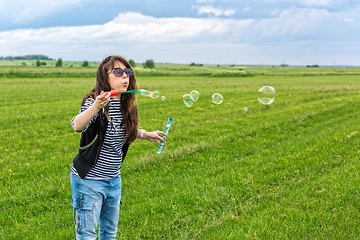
x=195, y=95
x=155, y=94
x=188, y=100
x=216, y=98
x=163, y=98
x=246, y=109
x=266, y=95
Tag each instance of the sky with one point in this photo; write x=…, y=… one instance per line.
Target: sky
x=269, y=32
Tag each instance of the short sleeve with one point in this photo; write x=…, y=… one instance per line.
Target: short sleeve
x=84, y=107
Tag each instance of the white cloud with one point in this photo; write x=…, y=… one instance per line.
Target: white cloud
x=210, y=10
x=19, y=11
x=126, y=31
x=293, y=21
x=207, y=40
x=139, y=27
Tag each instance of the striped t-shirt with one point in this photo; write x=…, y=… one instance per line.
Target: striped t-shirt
x=110, y=157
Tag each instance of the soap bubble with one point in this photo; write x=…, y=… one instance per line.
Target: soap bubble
x=163, y=98
x=155, y=94
x=195, y=95
x=188, y=100
x=145, y=93
x=266, y=95
x=217, y=98
x=142, y=90
x=246, y=109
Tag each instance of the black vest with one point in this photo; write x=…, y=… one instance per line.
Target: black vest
x=90, y=144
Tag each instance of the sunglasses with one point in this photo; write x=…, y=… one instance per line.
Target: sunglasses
x=118, y=72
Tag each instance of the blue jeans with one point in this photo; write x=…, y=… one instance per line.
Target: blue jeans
x=95, y=202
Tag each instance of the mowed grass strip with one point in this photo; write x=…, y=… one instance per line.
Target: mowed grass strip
x=288, y=170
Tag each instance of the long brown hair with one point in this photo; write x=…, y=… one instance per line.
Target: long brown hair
x=128, y=105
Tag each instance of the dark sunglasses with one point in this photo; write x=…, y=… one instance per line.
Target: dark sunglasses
x=118, y=72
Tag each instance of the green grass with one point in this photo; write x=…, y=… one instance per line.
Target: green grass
x=285, y=171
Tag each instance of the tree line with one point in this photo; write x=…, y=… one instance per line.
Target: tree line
x=26, y=57
x=149, y=63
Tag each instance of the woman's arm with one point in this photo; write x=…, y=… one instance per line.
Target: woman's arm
x=84, y=118
x=155, y=136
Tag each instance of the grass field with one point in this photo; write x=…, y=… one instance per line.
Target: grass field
x=289, y=170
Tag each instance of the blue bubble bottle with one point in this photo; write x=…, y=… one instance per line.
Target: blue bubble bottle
x=167, y=127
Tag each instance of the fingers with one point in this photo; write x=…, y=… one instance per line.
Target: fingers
x=160, y=133
x=159, y=136
x=103, y=99
x=104, y=95
x=155, y=136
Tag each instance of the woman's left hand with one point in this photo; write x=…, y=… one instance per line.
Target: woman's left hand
x=155, y=136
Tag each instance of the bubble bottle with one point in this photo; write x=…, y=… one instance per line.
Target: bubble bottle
x=167, y=127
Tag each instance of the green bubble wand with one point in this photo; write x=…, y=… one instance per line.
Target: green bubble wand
x=115, y=93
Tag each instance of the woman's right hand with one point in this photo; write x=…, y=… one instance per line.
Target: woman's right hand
x=102, y=100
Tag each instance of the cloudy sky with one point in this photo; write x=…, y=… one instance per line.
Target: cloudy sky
x=296, y=32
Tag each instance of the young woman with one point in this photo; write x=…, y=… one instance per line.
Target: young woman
x=108, y=126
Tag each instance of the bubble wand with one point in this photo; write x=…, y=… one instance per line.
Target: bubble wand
x=167, y=127
x=115, y=93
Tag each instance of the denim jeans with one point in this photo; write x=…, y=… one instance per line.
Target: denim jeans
x=95, y=202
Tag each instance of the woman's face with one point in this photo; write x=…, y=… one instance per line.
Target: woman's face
x=120, y=83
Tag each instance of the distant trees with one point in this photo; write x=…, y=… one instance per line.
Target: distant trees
x=39, y=63
x=27, y=57
x=132, y=63
x=85, y=64
x=314, y=65
x=59, y=63
x=149, y=64
x=196, y=64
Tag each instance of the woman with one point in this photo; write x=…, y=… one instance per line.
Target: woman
x=108, y=126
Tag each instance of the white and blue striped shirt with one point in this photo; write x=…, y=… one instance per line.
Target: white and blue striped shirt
x=109, y=162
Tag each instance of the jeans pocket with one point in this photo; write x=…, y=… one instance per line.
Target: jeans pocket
x=83, y=213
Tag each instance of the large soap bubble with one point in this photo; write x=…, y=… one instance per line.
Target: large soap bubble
x=155, y=94
x=188, y=100
x=195, y=95
x=217, y=98
x=266, y=95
